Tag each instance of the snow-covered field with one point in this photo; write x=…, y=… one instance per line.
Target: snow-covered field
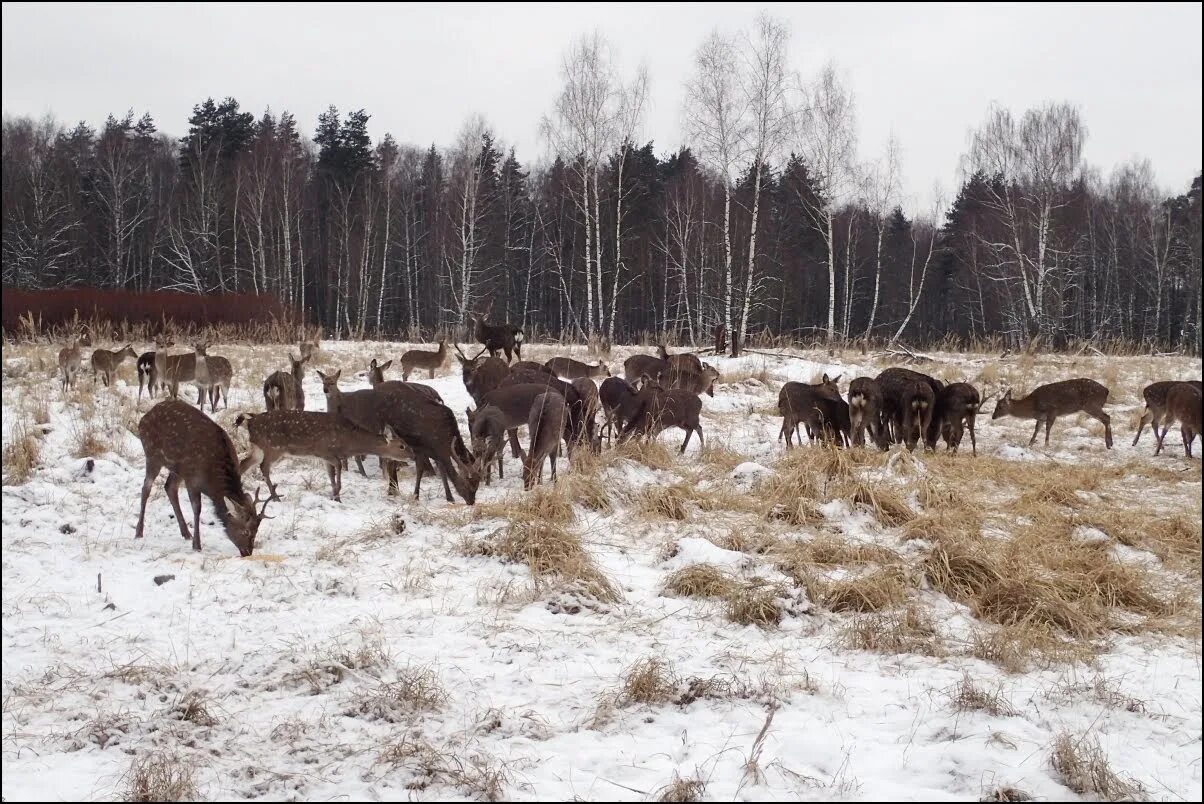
x=384, y=648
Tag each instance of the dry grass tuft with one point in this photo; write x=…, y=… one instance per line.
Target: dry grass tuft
x=1085, y=770
x=589, y=489
x=883, y=502
x=830, y=551
x=758, y=603
x=652, y=454
x=195, y=707
x=680, y=789
x=945, y=525
x=89, y=442
x=969, y=697
x=872, y=592
x=649, y=681
x=552, y=553
x=478, y=775
x=21, y=453
x=1019, y=648
x=160, y=776
x=547, y=503
x=668, y=502
x=416, y=691
x=909, y=630
x=1006, y=793
x=959, y=570
x=1174, y=539
x=700, y=580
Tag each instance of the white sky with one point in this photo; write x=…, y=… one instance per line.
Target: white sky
x=927, y=72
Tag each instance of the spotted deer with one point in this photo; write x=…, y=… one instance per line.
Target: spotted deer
x=197, y=452
x=1183, y=402
x=105, y=363
x=283, y=390
x=1155, y=406
x=545, y=424
x=661, y=409
x=69, y=364
x=151, y=367
x=422, y=359
x=1048, y=402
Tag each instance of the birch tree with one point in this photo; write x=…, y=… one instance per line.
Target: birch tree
x=881, y=194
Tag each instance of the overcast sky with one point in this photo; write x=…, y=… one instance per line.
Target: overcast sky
x=926, y=72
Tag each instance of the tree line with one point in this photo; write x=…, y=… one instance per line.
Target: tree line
x=768, y=220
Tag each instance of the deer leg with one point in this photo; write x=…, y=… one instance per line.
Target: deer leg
x=172, y=488
x=421, y=465
x=432, y=369
x=555, y=454
x=152, y=472
x=332, y=473
x=1036, y=429
x=500, y=474
x=1048, y=424
x=1160, y=436
x=359, y=464
x=444, y=468
x=265, y=468
x=194, y=497
x=392, y=475
x=516, y=449
x=1107, y=422
x=689, y=432
x=1189, y=436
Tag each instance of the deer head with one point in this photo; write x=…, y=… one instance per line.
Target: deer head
x=243, y=522
x=1003, y=406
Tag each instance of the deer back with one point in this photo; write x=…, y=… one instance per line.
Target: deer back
x=1183, y=402
x=637, y=366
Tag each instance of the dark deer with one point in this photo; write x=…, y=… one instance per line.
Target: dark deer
x=591, y=404
x=497, y=337
x=530, y=365
x=421, y=359
x=69, y=363
x=570, y=369
x=575, y=429
x=283, y=390
x=178, y=369
x=865, y=412
x=486, y=431
x=637, y=366
x=198, y=452
x=956, y=410
x=545, y=424
x=1183, y=402
x=105, y=363
x=481, y=376
x=913, y=416
x=696, y=382
x=1056, y=399
x=797, y=399
x=661, y=410
x=828, y=418
x=299, y=433
x=895, y=383
x=513, y=402
x=1155, y=406
x=620, y=403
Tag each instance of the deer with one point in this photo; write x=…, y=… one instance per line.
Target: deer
x=69, y=363
x=686, y=361
x=221, y=374
x=310, y=347
x=590, y=403
x=180, y=368
x=956, y=410
x=797, y=399
x=575, y=426
x=105, y=363
x=696, y=382
x=828, y=418
x=481, y=376
x=1155, y=405
x=486, y=430
x=151, y=367
x=421, y=359
x=570, y=369
x=545, y=424
x=531, y=365
x=300, y=433
x=865, y=412
x=211, y=373
x=497, y=337
x=1050, y=401
x=376, y=379
x=198, y=452
x=894, y=383
x=513, y=403
x=1183, y=403
x=637, y=366
x=283, y=390
x=620, y=403
x=913, y=415
x=661, y=409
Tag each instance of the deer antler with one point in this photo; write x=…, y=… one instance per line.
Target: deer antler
x=478, y=354
x=255, y=503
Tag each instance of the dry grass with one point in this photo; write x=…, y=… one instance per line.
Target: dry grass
x=909, y=630
x=90, y=442
x=649, y=681
x=701, y=580
x=945, y=525
x=547, y=503
x=478, y=775
x=160, y=776
x=416, y=691
x=1019, y=648
x=874, y=591
x=21, y=453
x=1006, y=793
x=969, y=697
x=1085, y=770
x=666, y=502
x=1174, y=538
x=195, y=707
x=651, y=453
x=883, y=502
x=552, y=553
x=758, y=603
x=680, y=789
x=827, y=550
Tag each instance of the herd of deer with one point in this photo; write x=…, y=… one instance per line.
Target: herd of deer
x=558, y=401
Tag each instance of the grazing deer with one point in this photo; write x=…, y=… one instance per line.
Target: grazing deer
x=687, y=361
x=913, y=416
x=197, y=451
x=575, y=429
x=956, y=410
x=865, y=412
x=284, y=390
x=828, y=418
x=797, y=399
x=638, y=366
x=570, y=369
x=1048, y=402
x=696, y=382
x=497, y=337
x=105, y=363
x=299, y=433
x=421, y=359
x=486, y=430
x=181, y=368
x=530, y=365
x=620, y=403
x=151, y=366
x=895, y=383
x=481, y=376
x=514, y=403
x=545, y=424
x=591, y=404
x=661, y=409
x=1183, y=402
x=69, y=363
x=1155, y=406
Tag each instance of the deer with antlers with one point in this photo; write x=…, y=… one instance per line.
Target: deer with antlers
x=497, y=337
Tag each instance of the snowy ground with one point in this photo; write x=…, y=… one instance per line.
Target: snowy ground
x=347, y=659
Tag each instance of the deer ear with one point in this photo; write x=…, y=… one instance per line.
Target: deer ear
x=386, y=365
x=390, y=435
x=338, y=374
x=837, y=377
x=826, y=379
x=373, y=363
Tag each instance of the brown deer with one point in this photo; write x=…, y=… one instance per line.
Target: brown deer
x=197, y=451
x=1048, y=402
x=211, y=373
x=591, y=404
x=300, y=433
x=638, y=366
x=284, y=390
x=570, y=369
x=545, y=424
x=575, y=427
x=514, y=403
x=1155, y=406
x=151, y=367
x=181, y=368
x=497, y=337
x=69, y=363
x=1183, y=403
x=865, y=412
x=894, y=383
x=486, y=430
x=421, y=359
x=956, y=410
x=797, y=399
x=686, y=361
x=913, y=415
x=661, y=409
x=105, y=363
x=530, y=365
x=376, y=379
x=620, y=403
x=696, y=382
x=221, y=374
x=828, y=418
x=481, y=376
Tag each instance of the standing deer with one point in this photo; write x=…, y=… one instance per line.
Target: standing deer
x=299, y=433
x=486, y=430
x=591, y=403
x=545, y=424
x=865, y=412
x=497, y=337
x=638, y=366
x=913, y=417
x=570, y=369
x=69, y=363
x=151, y=367
x=1183, y=405
x=180, y=368
x=828, y=418
x=1155, y=406
x=956, y=410
x=797, y=399
x=283, y=390
x=211, y=373
x=894, y=383
x=309, y=348
x=105, y=363
x=620, y=403
x=661, y=409
x=221, y=374
x=1048, y=402
x=197, y=451
x=421, y=359
x=481, y=376
x=696, y=382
